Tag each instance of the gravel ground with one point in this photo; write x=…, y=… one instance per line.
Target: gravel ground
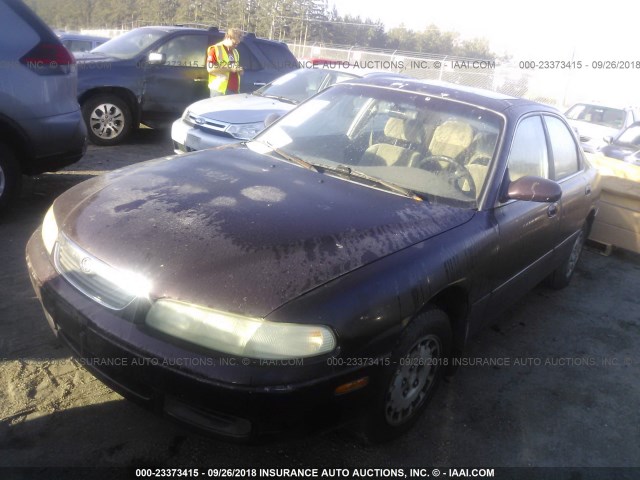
x=566, y=394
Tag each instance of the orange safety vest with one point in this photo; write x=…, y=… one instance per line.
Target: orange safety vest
x=219, y=81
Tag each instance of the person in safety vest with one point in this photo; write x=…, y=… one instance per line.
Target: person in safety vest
x=223, y=64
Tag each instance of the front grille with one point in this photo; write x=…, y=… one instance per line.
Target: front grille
x=94, y=278
x=210, y=126
x=206, y=124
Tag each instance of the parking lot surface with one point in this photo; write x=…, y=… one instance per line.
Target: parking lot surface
x=554, y=382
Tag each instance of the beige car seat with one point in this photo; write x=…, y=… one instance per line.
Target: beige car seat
x=451, y=139
x=406, y=137
x=482, y=150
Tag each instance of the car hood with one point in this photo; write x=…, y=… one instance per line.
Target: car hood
x=240, y=108
x=238, y=231
x=88, y=57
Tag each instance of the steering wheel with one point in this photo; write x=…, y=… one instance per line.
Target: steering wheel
x=459, y=177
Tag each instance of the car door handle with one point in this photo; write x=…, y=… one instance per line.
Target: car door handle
x=259, y=84
x=199, y=79
x=552, y=211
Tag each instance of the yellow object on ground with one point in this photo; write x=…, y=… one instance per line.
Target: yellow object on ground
x=618, y=219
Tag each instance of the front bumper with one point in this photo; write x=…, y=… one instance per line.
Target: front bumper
x=190, y=139
x=225, y=396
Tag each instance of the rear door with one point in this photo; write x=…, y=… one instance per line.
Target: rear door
x=263, y=61
x=566, y=169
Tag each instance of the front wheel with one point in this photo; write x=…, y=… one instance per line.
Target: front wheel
x=108, y=119
x=417, y=365
x=561, y=276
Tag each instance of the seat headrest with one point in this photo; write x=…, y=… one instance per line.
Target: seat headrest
x=451, y=138
x=405, y=130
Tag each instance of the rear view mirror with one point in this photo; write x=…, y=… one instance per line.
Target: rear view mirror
x=534, y=189
x=155, y=58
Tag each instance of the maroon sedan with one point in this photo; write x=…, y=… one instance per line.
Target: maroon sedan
x=328, y=270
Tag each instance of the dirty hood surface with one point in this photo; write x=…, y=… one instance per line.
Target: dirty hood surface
x=240, y=231
x=239, y=108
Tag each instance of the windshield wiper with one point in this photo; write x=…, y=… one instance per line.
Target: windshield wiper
x=281, y=98
x=348, y=172
x=292, y=158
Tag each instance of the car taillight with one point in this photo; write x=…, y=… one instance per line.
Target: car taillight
x=49, y=59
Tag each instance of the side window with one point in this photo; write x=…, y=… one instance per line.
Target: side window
x=563, y=147
x=528, y=154
x=185, y=51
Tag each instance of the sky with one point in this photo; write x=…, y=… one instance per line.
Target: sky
x=544, y=27
x=533, y=31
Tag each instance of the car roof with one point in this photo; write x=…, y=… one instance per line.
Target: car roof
x=492, y=100
x=204, y=28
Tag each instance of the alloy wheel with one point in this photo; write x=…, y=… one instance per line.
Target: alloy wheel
x=107, y=121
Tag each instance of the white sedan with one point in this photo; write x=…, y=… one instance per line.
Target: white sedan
x=233, y=118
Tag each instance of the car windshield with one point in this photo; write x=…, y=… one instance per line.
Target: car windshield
x=605, y=116
x=130, y=44
x=439, y=149
x=302, y=84
x=631, y=136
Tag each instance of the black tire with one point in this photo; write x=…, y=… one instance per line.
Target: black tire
x=108, y=119
x=10, y=176
x=561, y=276
x=416, y=369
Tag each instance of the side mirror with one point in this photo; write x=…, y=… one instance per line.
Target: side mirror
x=272, y=117
x=155, y=58
x=534, y=189
x=608, y=139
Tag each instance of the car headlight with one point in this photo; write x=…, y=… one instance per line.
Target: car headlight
x=49, y=230
x=245, y=131
x=238, y=335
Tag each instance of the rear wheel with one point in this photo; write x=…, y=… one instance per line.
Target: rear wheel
x=561, y=276
x=10, y=175
x=409, y=382
x=108, y=119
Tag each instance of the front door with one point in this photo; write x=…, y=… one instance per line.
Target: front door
x=528, y=231
x=178, y=81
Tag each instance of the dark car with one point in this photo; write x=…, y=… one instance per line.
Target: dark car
x=151, y=74
x=77, y=42
x=41, y=126
x=624, y=146
x=325, y=271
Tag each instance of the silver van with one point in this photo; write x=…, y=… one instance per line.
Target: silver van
x=41, y=127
